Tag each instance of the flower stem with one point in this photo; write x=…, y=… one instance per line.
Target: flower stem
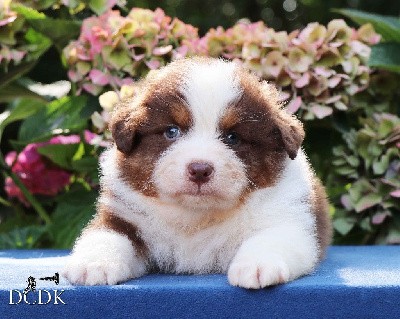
x=31, y=199
x=5, y=202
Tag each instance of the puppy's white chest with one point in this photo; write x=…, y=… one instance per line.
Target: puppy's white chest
x=194, y=251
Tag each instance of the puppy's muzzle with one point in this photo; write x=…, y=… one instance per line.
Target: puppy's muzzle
x=199, y=172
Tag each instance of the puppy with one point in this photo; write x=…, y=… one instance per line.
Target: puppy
x=206, y=176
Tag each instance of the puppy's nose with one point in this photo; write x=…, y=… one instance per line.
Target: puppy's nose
x=200, y=172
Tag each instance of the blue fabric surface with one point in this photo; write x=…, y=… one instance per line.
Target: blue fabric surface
x=353, y=282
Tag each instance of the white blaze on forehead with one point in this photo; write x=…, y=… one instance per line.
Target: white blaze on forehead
x=209, y=88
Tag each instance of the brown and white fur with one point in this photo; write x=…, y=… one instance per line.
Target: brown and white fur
x=250, y=205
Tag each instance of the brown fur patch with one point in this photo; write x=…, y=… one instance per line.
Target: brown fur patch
x=230, y=118
x=320, y=207
x=106, y=219
x=143, y=121
x=267, y=133
x=180, y=112
x=126, y=117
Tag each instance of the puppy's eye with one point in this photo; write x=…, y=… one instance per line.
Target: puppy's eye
x=172, y=133
x=231, y=138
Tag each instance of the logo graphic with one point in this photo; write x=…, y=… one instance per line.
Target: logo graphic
x=31, y=285
x=32, y=288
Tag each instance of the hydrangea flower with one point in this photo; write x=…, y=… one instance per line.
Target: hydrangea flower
x=76, y=6
x=37, y=173
x=7, y=16
x=113, y=49
x=316, y=68
x=369, y=164
x=10, y=50
x=107, y=101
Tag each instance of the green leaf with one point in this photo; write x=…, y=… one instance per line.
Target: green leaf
x=385, y=127
x=15, y=217
x=344, y=225
x=380, y=167
x=98, y=6
x=79, y=152
x=393, y=238
x=73, y=212
x=367, y=201
x=58, y=30
x=14, y=91
x=339, y=161
x=66, y=115
x=116, y=57
x=353, y=161
x=86, y=164
x=338, y=150
x=37, y=45
x=75, y=157
x=60, y=154
x=44, y=4
x=22, y=238
x=15, y=72
x=375, y=149
x=360, y=187
x=394, y=231
x=365, y=224
x=387, y=26
x=27, y=12
x=344, y=170
x=23, y=109
x=385, y=56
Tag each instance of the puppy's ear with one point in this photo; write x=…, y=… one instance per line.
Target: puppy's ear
x=290, y=128
x=292, y=133
x=124, y=122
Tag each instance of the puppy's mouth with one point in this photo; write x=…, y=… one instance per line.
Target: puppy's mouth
x=197, y=193
x=197, y=190
x=204, y=198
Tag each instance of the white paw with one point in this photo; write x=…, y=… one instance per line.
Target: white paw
x=256, y=273
x=102, y=257
x=79, y=271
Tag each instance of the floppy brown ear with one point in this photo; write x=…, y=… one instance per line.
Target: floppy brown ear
x=292, y=133
x=290, y=128
x=124, y=122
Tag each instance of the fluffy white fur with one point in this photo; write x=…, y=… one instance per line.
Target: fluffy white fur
x=268, y=239
x=103, y=257
x=223, y=190
x=209, y=89
x=255, y=245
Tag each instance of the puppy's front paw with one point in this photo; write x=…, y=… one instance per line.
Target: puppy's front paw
x=102, y=257
x=256, y=272
x=79, y=271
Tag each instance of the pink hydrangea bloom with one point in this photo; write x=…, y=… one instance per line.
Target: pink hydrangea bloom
x=36, y=172
x=112, y=46
x=317, y=64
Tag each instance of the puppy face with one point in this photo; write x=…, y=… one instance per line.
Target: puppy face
x=203, y=134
